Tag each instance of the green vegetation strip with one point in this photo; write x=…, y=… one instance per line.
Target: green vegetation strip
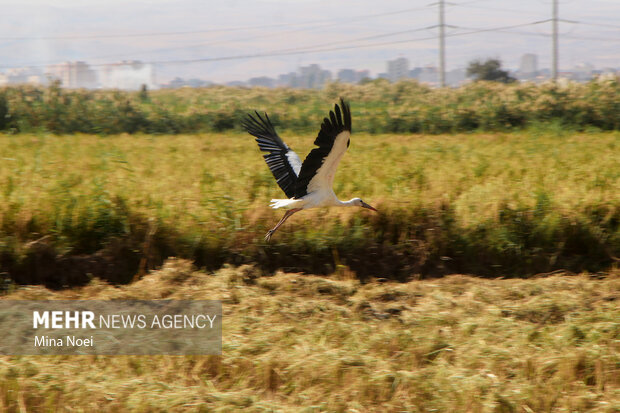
x=513, y=204
x=295, y=343
x=377, y=107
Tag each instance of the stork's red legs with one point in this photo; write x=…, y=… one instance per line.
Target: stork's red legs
x=284, y=218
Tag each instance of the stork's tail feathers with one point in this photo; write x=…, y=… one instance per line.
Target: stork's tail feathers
x=285, y=203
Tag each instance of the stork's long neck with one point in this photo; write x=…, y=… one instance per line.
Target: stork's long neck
x=348, y=203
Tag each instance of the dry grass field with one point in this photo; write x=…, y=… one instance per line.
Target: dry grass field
x=302, y=343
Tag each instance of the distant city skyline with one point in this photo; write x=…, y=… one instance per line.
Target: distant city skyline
x=243, y=39
x=135, y=75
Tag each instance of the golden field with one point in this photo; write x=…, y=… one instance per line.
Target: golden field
x=487, y=281
x=301, y=343
x=503, y=204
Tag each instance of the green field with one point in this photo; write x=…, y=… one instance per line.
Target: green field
x=377, y=106
x=301, y=343
x=501, y=204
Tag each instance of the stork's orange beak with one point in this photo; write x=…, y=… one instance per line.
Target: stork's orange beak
x=365, y=205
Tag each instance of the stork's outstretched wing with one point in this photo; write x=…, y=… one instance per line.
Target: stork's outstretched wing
x=319, y=167
x=282, y=161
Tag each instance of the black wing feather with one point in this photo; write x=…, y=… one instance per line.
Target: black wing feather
x=277, y=159
x=336, y=123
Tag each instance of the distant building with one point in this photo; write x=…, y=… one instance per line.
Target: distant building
x=177, y=82
x=352, y=76
x=194, y=82
x=263, y=81
x=346, y=76
x=36, y=80
x=363, y=74
x=397, y=69
x=529, y=63
x=313, y=77
x=22, y=75
x=608, y=74
x=287, y=80
x=582, y=72
x=429, y=75
x=456, y=77
x=415, y=73
x=73, y=75
x=236, y=83
x=127, y=75
x=528, y=69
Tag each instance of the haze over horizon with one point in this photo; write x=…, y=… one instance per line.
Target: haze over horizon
x=239, y=39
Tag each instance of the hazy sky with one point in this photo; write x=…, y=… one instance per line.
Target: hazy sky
x=284, y=34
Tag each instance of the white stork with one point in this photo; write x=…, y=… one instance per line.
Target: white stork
x=308, y=185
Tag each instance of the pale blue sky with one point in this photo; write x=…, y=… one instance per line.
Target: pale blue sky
x=37, y=32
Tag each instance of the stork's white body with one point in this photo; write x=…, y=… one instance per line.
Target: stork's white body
x=310, y=183
x=320, y=192
x=313, y=200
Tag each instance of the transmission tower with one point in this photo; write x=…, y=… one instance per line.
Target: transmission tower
x=442, y=46
x=554, y=22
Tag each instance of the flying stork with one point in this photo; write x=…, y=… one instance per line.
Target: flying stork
x=308, y=184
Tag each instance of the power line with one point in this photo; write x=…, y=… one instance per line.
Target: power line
x=218, y=30
x=319, y=48
x=130, y=35
x=466, y=5
x=280, y=52
x=463, y=3
x=581, y=22
x=347, y=44
x=614, y=26
x=507, y=30
x=497, y=29
x=314, y=25
x=600, y=39
x=373, y=37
